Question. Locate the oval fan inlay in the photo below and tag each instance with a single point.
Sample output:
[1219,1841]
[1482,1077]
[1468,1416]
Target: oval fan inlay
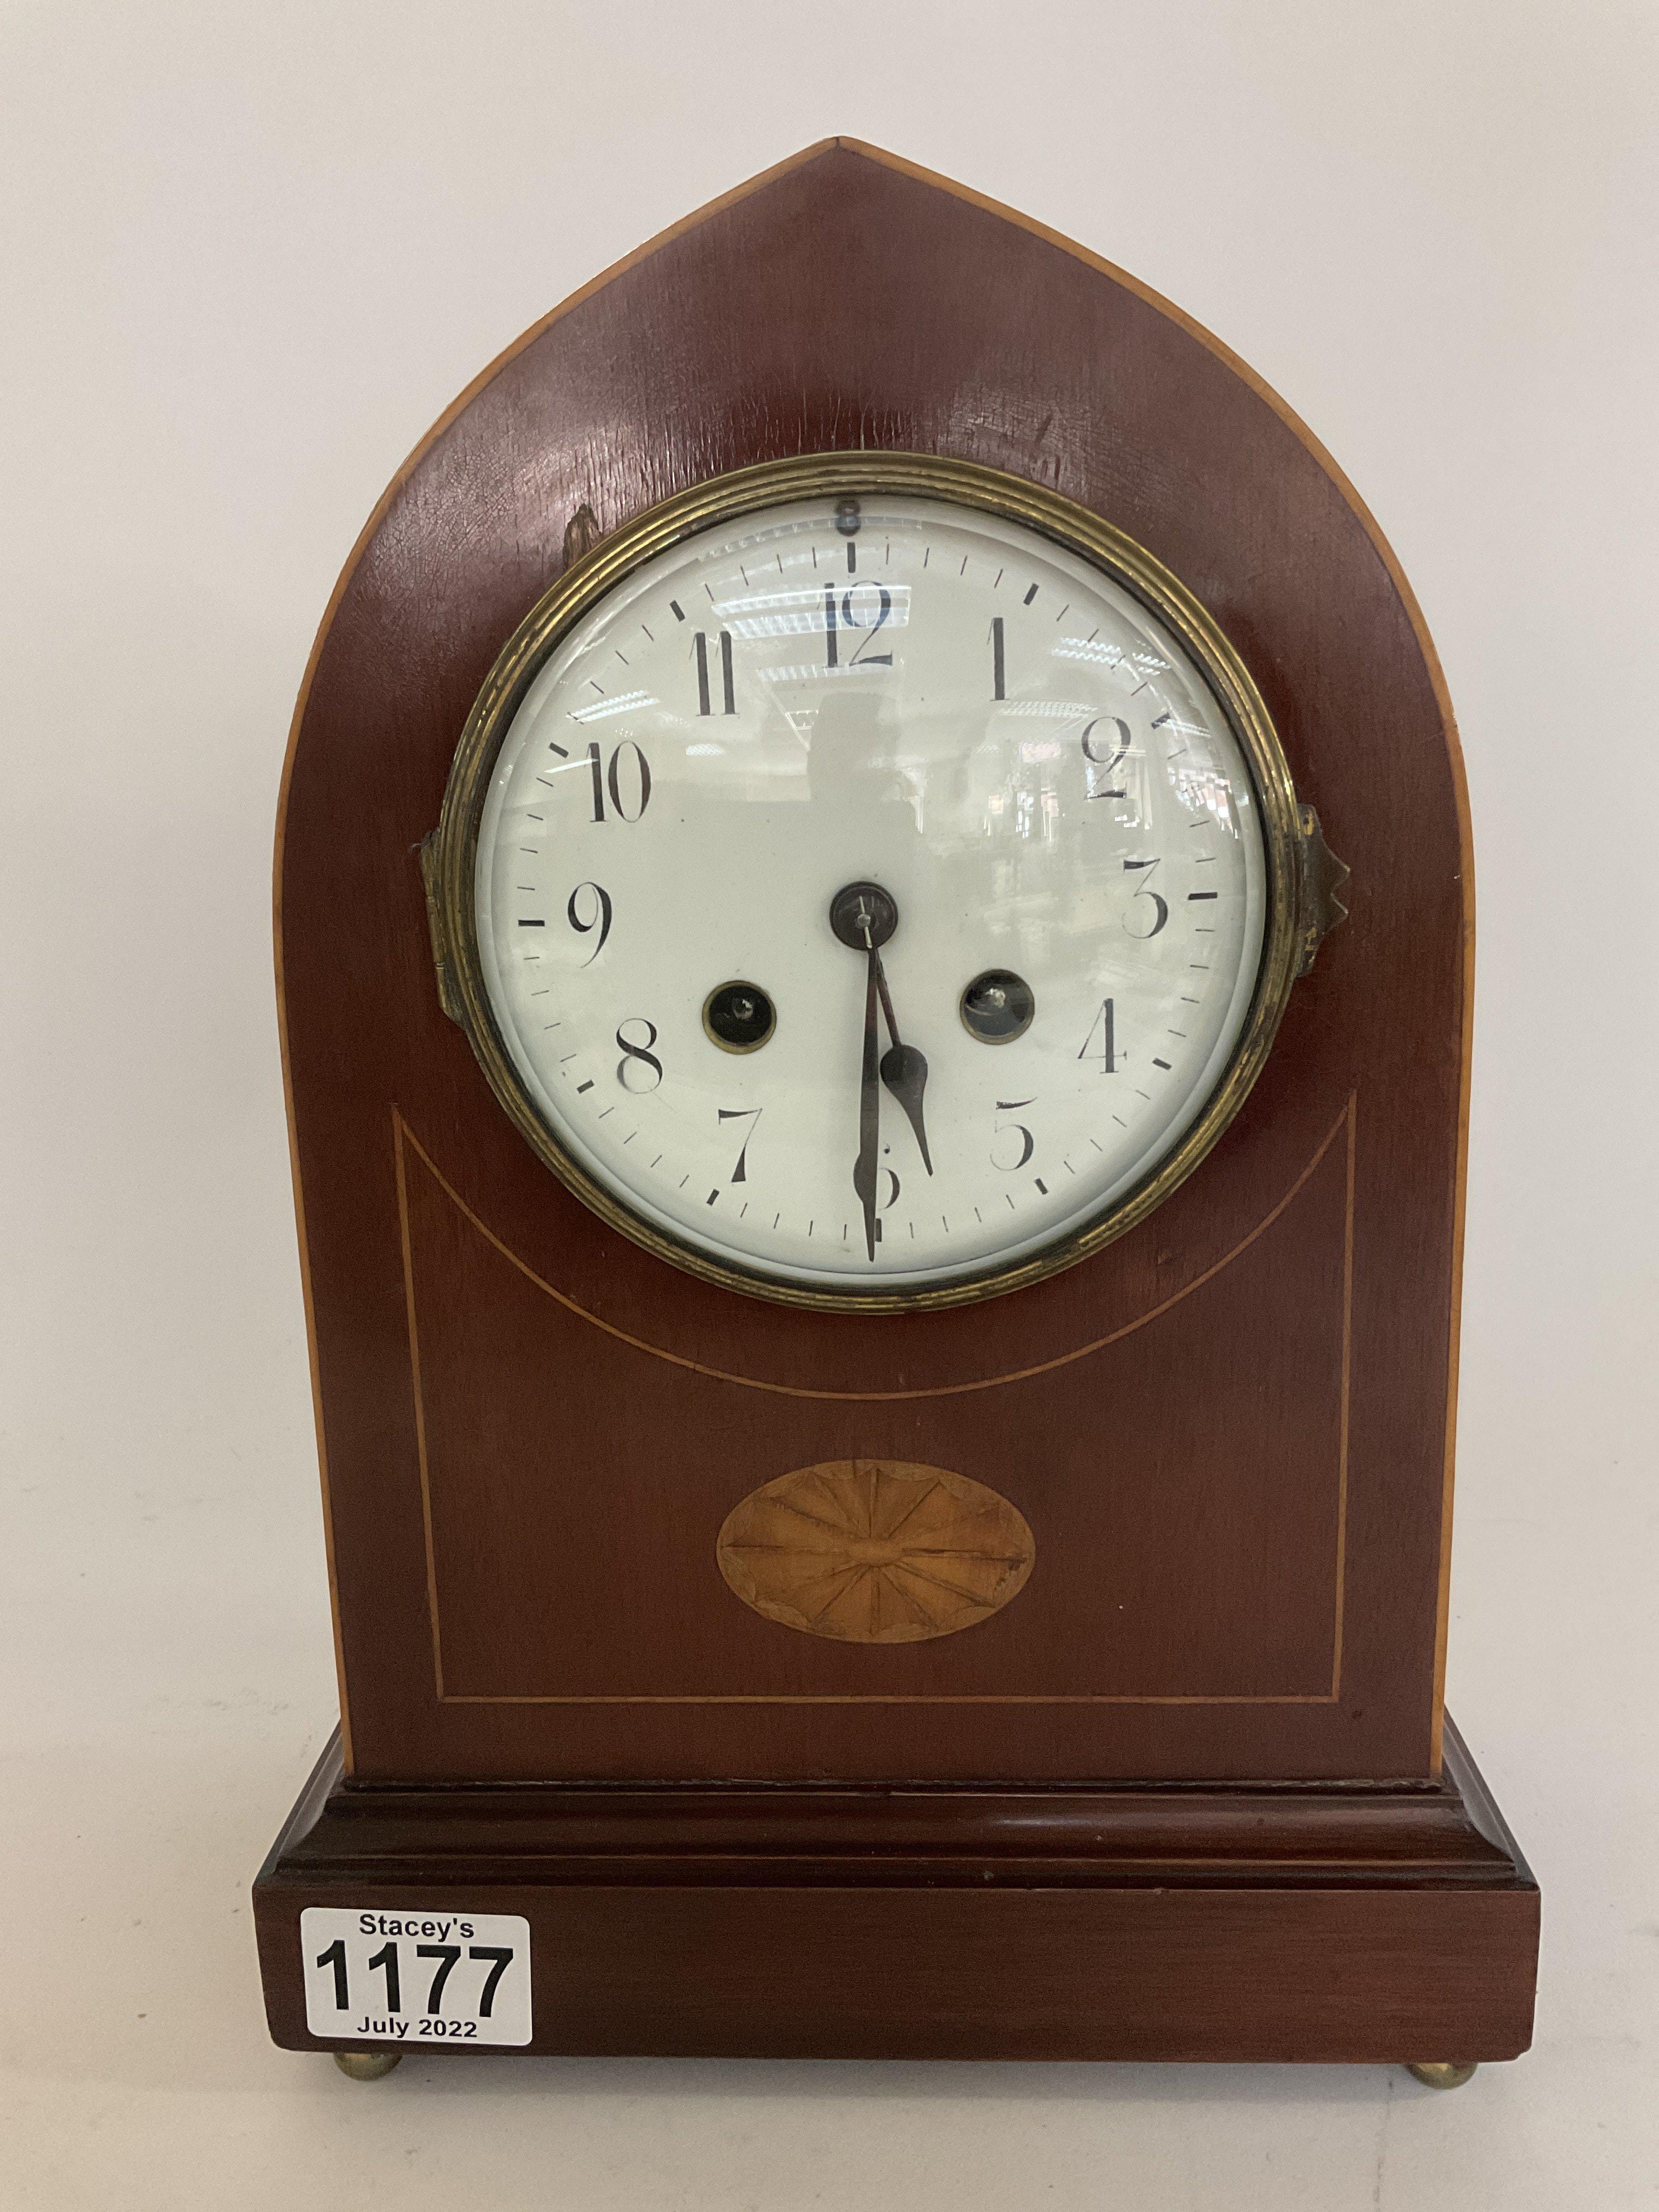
[875,1551]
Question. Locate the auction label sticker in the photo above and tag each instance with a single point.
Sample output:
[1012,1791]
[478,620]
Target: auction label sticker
[417,1977]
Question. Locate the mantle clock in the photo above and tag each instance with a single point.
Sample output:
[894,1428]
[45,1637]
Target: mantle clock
[874,929]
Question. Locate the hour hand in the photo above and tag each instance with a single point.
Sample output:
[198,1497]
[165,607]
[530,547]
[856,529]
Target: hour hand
[904,1070]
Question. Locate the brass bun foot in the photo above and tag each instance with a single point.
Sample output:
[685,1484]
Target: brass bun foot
[1443,2073]
[367,2065]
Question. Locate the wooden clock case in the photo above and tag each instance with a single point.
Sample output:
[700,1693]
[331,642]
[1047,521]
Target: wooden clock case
[1188,1794]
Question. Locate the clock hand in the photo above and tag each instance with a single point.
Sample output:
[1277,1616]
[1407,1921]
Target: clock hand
[863,916]
[903,1069]
[866,1168]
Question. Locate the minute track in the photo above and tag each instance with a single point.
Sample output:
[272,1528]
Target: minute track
[755,776]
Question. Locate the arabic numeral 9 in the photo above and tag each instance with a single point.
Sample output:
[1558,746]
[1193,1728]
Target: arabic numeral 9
[600,918]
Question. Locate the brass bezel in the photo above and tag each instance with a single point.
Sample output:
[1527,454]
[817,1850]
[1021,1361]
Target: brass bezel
[452,855]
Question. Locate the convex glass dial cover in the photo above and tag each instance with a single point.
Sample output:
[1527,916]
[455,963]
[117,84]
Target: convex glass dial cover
[866,889]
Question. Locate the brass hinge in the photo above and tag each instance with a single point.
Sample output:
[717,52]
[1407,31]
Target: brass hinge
[448,997]
[1321,906]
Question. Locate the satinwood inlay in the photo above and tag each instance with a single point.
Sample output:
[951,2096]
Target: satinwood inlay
[876,1550]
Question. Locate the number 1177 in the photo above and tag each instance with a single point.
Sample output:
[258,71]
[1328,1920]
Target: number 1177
[496,1956]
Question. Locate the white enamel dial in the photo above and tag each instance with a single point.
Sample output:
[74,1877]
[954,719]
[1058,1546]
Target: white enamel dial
[996,736]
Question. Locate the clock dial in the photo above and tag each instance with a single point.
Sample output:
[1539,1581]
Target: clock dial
[870,894]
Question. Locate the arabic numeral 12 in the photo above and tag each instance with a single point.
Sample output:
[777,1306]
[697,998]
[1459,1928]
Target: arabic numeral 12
[850,619]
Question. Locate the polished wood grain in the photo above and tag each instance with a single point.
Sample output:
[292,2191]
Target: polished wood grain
[1116,1615]
[1378,1923]
[1177,1791]
[875,1551]
[1228,1432]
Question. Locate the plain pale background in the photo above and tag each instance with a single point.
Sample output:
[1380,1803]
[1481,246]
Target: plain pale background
[250,252]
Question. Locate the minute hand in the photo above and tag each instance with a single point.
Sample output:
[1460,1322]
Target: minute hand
[865,1168]
[903,1068]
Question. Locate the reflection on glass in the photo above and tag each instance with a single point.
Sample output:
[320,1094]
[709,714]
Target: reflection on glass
[938,701]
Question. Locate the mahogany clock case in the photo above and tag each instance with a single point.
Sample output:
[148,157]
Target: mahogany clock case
[1229,1432]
